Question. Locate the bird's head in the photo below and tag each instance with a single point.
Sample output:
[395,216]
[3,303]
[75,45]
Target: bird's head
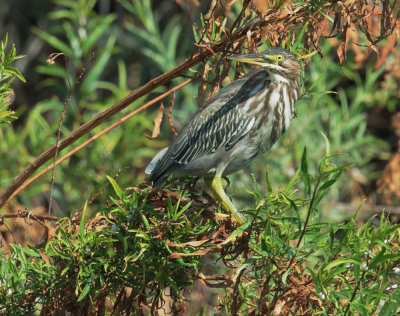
[275,60]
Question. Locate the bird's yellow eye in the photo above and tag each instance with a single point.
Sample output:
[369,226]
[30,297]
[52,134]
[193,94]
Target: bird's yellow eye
[279,58]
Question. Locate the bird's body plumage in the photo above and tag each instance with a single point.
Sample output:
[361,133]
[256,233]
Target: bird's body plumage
[241,121]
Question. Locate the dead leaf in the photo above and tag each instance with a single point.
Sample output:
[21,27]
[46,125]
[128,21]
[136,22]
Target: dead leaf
[189,243]
[44,256]
[157,122]
[200,252]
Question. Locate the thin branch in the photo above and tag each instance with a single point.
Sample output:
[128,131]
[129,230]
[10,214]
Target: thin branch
[353,296]
[171,126]
[62,116]
[310,206]
[28,215]
[95,137]
[235,305]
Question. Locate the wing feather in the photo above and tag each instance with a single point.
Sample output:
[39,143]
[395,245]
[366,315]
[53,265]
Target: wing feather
[222,129]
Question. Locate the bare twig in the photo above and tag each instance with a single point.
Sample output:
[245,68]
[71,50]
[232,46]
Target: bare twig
[62,116]
[28,215]
[171,126]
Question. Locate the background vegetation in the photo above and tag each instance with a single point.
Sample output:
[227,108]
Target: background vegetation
[137,250]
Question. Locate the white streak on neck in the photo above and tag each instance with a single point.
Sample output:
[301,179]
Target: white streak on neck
[278,78]
[274,98]
[287,108]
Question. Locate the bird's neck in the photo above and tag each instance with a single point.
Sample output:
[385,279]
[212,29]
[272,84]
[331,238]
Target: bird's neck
[292,80]
[288,92]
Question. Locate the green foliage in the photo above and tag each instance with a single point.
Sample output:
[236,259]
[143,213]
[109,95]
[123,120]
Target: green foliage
[351,267]
[78,32]
[7,76]
[162,48]
[129,248]
[345,268]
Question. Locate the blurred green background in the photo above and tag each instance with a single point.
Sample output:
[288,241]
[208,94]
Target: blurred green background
[135,40]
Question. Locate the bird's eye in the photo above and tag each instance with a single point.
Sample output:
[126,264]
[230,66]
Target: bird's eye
[279,57]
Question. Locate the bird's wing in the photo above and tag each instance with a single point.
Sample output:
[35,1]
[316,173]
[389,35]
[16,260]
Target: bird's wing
[223,129]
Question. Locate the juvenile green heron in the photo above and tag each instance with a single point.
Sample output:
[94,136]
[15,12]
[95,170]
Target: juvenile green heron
[241,121]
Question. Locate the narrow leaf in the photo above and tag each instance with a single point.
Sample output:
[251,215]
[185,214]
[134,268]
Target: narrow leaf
[116,187]
[237,232]
[85,291]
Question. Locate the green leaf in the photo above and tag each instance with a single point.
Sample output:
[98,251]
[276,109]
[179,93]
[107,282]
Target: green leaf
[98,67]
[293,181]
[338,168]
[53,41]
[341,261]
[236,233]
[82,223]
[15,72]
[300,37]
[391,305]
[94,36]
[145,221]
[380,258]
[269,187]
[85,291]
[304,165]
[327,16]
[327,184]
[116,187]
[183,209]
[327,144]
[29,252]
[6,114]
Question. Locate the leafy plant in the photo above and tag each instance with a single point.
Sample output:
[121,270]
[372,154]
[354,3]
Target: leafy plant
[283,257]
[7,76]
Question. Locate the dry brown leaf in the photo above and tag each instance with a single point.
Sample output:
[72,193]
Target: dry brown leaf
[44,256]
[200,252]
[203,86]
[157,122]
[189,243]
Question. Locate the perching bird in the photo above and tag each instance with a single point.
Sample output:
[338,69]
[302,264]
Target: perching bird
[243,120]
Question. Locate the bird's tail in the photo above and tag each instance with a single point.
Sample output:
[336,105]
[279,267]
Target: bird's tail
[157,176]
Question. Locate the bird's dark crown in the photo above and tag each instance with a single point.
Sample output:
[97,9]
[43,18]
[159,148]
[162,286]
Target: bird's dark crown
[279,50]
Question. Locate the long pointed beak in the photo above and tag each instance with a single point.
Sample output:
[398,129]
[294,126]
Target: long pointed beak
[256,59]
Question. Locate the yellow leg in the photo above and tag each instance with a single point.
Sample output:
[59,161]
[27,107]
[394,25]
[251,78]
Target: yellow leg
[216,186]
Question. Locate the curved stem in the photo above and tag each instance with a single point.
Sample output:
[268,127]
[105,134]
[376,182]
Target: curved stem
[310,206]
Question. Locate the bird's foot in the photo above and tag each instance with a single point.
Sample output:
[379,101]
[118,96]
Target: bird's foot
[216,186]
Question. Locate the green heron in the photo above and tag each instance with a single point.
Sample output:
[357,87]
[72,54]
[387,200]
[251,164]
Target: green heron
[238,123]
